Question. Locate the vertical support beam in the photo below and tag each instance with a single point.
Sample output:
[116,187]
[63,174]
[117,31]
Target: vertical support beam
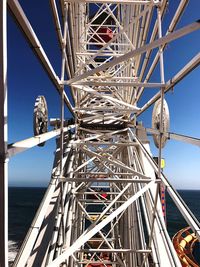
[162,93]
[162,89]
[3,138]
[62,114]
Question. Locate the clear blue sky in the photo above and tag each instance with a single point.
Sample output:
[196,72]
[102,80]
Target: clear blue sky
[27,80]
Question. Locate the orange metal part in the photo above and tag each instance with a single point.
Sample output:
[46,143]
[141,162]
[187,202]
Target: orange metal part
[184,242]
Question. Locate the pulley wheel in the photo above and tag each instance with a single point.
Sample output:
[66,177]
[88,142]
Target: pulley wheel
[40,117]
[156,122]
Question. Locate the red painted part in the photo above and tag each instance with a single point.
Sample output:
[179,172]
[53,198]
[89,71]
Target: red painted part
[163,202]
[104,195]
[104,33]
[103,256]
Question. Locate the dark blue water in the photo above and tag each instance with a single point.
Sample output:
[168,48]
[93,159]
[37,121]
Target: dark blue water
[23,204]
[175,220]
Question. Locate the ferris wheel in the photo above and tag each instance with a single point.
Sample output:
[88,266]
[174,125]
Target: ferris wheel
[105,202]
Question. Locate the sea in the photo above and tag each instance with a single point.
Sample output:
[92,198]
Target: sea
[24,202]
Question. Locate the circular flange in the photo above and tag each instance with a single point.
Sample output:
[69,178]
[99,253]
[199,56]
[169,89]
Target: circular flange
[156,122]
[40,117]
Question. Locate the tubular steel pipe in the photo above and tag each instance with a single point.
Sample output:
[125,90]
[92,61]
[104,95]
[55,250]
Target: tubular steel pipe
[164,40]
[187,214]
[25,26]
[192,64]
[171,28]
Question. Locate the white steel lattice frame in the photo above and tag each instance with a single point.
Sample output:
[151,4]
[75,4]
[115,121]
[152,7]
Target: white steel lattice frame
[102,204]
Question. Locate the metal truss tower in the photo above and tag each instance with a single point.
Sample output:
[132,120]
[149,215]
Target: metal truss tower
[103,203]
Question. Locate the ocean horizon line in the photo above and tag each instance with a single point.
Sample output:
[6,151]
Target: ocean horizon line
[18,186]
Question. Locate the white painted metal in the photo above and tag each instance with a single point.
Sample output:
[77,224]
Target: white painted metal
[103,176]
[171,28]
[21,146]
[192,221]
[133,84]
[85,237]
[156,122]
[164,40]
[25,25]
[191,65]
[175,136]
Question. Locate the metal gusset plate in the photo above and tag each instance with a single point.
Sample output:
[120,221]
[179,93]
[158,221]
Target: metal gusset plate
[156,122]
[40,117]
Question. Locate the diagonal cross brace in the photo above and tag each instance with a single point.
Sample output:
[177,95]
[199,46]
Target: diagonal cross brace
[87,235]
[161,41]
[118,164]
